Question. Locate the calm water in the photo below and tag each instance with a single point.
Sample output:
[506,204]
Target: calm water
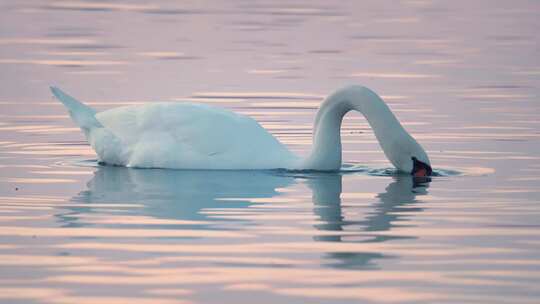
[463,77]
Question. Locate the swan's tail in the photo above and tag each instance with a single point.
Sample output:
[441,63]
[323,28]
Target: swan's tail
[83,115]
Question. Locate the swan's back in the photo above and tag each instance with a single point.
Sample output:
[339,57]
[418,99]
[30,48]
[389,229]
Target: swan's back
[191,136]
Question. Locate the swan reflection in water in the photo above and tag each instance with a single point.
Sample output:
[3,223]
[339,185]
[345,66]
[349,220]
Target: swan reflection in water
[393,206]
[183,195]
[177,194]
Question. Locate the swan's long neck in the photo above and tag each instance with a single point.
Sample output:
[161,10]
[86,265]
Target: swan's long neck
[396,143]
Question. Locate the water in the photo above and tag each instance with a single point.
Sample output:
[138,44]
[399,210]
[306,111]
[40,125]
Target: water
[462,76]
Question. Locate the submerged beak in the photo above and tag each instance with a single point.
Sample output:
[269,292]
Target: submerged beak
[420,169]
[420,173]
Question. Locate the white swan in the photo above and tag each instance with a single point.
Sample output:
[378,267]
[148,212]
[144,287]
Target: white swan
[197,136]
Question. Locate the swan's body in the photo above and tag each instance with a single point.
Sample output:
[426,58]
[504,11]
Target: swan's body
[196,136]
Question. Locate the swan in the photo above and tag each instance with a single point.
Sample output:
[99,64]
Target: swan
[199,136]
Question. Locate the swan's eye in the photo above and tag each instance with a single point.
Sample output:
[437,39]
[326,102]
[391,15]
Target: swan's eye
[420,169]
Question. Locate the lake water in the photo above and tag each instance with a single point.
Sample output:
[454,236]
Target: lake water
[462,76]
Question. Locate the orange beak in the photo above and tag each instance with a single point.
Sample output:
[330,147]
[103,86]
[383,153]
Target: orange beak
[421,173]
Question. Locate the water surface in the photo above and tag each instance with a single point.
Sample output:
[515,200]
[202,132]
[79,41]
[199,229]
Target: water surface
[462,76]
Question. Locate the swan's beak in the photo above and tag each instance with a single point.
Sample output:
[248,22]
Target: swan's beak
[420,169]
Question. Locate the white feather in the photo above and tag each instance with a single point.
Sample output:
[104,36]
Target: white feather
[196,136]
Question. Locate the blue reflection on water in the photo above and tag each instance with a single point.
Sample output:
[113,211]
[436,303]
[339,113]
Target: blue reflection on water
[392,206]
[183,194]
[178,194]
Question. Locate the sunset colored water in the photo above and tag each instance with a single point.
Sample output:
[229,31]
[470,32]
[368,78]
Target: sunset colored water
[462,76]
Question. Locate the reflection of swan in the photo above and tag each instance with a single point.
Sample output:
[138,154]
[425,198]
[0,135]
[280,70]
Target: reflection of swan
[183,194]
[390,209]
[195,136]
[178,194]
[400,193]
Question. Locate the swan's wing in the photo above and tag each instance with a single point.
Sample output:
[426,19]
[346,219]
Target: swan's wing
[122,122]
[195,126]
[188,135]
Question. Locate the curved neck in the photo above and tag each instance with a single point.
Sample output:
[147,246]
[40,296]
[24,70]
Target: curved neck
[326,152]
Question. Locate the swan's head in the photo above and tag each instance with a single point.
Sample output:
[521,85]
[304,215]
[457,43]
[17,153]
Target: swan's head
[420,169]
[409,157]
[417,162]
